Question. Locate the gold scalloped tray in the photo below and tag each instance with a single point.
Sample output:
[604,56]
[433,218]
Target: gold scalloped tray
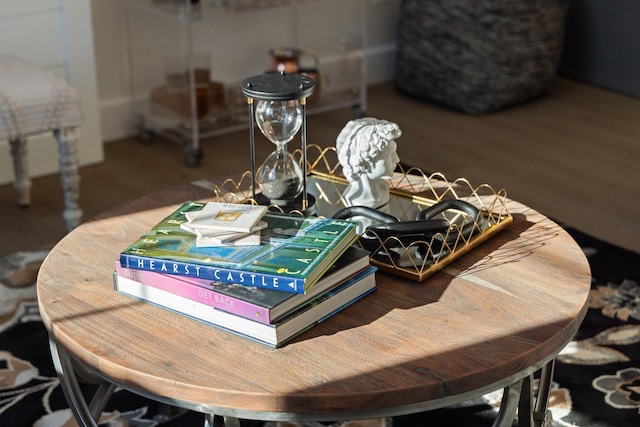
[411,191]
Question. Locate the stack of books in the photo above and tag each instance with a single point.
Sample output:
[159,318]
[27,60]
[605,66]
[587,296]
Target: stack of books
[302,271]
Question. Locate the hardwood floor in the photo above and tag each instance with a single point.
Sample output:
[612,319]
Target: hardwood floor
[573,155]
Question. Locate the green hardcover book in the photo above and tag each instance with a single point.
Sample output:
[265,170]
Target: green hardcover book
[294,252]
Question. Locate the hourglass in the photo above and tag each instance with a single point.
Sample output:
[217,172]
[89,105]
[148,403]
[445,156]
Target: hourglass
[280,112]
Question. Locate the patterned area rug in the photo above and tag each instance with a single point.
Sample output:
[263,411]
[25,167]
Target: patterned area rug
[596,383]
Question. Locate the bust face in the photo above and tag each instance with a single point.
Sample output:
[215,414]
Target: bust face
[385,163]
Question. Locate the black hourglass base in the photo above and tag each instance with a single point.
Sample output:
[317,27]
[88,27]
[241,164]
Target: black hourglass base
[296,205]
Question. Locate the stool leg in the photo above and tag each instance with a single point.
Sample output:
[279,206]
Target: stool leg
[67,149]
[22,183]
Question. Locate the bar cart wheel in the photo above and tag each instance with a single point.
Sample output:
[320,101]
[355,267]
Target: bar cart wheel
[146,136]
[193,157]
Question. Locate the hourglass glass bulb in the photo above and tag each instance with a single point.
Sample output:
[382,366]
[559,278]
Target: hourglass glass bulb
[279,121]
[280,177]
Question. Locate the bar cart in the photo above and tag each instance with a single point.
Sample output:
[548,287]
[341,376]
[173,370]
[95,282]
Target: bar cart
[187,58]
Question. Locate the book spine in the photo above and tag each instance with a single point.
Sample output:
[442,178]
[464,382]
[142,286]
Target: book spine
[196,290]
[213,274]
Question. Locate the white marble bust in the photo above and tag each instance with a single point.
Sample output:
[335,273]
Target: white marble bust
[366,151]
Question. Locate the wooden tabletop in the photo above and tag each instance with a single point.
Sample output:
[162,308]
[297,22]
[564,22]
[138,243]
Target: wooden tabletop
[491,317]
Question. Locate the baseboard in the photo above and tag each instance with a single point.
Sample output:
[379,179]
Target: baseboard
[118,121]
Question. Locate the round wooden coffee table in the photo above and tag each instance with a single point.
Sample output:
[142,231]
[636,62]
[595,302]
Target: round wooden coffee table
[489,320]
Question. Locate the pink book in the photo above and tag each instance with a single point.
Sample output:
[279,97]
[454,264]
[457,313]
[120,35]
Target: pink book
[197,290]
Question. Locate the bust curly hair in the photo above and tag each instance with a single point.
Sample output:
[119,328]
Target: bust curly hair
[361,141]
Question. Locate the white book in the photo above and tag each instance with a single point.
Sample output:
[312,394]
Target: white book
[241,239]
[222,236]
[226,217]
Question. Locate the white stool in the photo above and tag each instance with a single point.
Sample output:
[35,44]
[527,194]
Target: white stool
[34,101]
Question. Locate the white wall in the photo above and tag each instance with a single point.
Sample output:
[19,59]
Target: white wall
[238,43]
[57,35]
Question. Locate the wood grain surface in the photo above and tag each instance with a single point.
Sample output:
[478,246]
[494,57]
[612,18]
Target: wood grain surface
[494,315]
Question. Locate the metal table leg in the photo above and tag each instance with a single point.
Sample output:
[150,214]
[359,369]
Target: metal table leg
[508,406]
[538,415]
[520,396]
[209,421]
[542,416]
[85,415]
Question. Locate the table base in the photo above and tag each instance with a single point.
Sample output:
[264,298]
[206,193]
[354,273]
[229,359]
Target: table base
[517,398]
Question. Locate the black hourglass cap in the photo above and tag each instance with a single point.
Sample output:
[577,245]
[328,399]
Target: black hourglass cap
[278,86]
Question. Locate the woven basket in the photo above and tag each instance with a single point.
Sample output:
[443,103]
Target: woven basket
[479,56]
